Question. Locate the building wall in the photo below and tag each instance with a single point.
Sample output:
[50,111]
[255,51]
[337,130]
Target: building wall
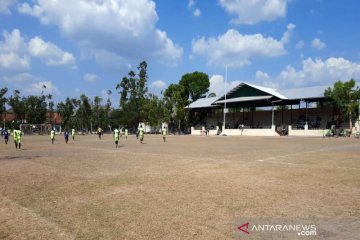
[258,123]
[262,118]
[51,117]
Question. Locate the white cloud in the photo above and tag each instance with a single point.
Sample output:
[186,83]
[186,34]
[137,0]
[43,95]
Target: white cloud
[300,44]
[159,84]
[262,75]
[252,12]
[314,72]
[49,52]
[5,4]
[89,77]
[29,84]
[197,12]
[13,42]
[12,52]
[286,36]
[21,78]
[132,34]
[318,44]
[191,3]
[13,62]
[16,52]
[111,62]
[235,49]
[217,85]
[37,88]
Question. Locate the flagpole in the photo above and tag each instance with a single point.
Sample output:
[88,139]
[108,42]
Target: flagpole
[225,98]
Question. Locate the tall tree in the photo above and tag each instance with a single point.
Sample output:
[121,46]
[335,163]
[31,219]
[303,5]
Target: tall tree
[196,84]
[345,97]
[35,109]
[99,113]
[17,104]
[51,109]
[133,94]
[3,99]
[108,101]
[154,108]
[175,101]
[84,112]
[67,111]
[143,78]
[96,109]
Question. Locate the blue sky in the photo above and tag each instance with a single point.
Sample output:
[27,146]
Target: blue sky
[87,46]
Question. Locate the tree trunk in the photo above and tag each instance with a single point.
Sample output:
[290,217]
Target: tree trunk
[350,122]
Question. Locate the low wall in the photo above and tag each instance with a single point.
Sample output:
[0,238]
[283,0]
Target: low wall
[306,132]
[196,132]
[213,132]
[239,132]
[250,132]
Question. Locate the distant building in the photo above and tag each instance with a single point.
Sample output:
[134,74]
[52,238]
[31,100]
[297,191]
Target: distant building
[253,110]
[52,118]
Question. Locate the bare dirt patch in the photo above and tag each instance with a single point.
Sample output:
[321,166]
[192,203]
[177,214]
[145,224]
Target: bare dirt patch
[187,188]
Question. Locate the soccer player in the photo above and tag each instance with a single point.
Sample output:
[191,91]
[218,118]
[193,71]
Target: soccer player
[99,132]
[66,136]
[121,132]
[73,134]
[52,136]
[164,132]
[6,136]
[126,133]
[116,137]
[141,134]
[17,138]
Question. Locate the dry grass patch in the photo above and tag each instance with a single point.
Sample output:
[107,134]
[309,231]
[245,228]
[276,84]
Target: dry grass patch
[186,188]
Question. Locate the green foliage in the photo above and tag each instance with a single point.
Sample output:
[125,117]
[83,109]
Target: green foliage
[17,104]
[344,96]
[100,113]
[133,96]
[196,84]
[175,102]
[35,109]
[31,108]
[136,104]
[155,109]
[67,112]
[84,112]
[3,99]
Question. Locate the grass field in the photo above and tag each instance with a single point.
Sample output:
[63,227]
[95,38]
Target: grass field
[187,188]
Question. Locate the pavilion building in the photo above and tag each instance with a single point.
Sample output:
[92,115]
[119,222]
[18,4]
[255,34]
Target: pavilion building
[253,110]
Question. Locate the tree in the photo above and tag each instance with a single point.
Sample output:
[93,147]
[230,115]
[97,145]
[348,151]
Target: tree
[18,105]
[154,108]
[35,109]
[133,94]
[175,102]
[196,84]
[108,101]
[67,110]
[84,112]
[344,96]
[3,99]
[51,109]
[100,113]
[96,109]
